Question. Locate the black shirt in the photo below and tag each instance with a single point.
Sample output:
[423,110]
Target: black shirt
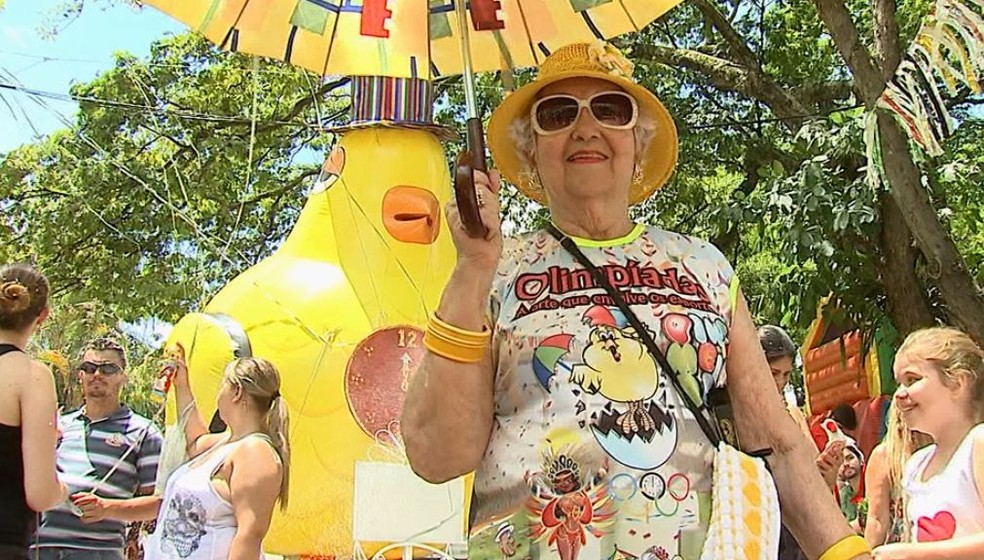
[17,521]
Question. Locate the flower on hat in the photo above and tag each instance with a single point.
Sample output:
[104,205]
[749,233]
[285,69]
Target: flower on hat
[611,59]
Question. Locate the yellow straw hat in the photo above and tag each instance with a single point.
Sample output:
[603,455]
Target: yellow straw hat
[584,60]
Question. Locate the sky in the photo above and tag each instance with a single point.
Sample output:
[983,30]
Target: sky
[76,53]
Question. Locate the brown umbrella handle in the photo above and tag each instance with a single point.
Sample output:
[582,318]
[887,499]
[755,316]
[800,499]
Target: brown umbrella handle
[473,158]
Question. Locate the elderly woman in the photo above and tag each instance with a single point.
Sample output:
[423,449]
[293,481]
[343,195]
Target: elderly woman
[536,380]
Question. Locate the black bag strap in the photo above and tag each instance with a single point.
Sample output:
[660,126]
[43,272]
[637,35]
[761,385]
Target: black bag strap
[706,425]
[8,348]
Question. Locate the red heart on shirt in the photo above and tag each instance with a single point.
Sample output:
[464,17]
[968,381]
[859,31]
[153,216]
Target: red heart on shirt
[940,527]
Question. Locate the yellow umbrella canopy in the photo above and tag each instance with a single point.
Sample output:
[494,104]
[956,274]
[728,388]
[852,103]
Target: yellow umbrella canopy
[408,38]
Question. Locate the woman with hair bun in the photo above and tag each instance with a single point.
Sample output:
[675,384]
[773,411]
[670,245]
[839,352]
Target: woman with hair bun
[28,412]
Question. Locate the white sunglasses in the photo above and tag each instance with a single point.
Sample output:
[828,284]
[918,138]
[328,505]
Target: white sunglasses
[554,114]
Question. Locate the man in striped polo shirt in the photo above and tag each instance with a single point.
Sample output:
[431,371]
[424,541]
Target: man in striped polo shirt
[102,440]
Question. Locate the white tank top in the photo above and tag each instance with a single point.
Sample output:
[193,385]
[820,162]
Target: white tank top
[947,505]
[195,522]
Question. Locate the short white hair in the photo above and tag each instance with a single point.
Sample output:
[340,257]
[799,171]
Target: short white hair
[524,138]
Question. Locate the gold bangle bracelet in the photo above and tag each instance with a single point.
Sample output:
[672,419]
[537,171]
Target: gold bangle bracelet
[456,333]
[847,548]
[469,342]
[459,330]
[452,351]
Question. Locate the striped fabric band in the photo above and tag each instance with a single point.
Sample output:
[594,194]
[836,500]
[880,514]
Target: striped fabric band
[395,100]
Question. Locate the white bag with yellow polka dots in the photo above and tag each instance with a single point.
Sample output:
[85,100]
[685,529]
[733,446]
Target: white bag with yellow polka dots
[745,520]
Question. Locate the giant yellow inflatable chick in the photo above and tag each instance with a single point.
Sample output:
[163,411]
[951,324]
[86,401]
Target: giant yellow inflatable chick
[339,307]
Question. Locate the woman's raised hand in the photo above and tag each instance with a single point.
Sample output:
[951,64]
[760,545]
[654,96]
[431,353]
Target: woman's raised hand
[481,252]
[176,360]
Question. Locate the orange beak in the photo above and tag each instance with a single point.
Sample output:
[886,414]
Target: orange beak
[411,214]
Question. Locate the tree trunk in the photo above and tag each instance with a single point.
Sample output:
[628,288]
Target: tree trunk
[867,75]
[907,304]
[964,303]
[965,306]
[887,48]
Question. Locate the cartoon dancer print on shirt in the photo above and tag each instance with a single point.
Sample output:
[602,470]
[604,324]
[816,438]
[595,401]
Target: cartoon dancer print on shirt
[564,509]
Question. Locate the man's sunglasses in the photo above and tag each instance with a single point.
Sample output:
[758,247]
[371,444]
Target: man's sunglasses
[105,368]
[557,113]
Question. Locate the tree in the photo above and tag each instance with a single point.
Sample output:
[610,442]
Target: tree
[963,299]
[193,170]
[772,168]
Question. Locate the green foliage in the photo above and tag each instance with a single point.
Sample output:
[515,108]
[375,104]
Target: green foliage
[798,48]
[137,392]
[151,203]
[824,219]
[957,179]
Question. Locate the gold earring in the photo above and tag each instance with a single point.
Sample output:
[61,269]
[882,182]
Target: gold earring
[532,180]
[637,175]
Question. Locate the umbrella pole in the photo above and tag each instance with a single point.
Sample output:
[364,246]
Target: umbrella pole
[467,73]
[473,158]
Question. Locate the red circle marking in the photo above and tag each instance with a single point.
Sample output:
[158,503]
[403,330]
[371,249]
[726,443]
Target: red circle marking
[377,374]
[669,486]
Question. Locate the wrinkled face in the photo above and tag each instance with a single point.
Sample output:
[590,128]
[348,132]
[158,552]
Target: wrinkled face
[781,368]
[926,403]
[851,467]
[588,160]
[107,380]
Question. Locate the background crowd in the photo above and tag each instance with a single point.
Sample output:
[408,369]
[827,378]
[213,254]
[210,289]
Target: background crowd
[92,471]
